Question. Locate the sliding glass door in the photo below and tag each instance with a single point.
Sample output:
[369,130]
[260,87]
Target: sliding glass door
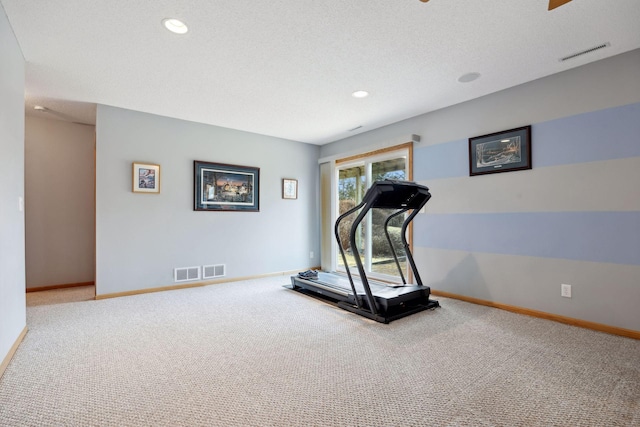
[353,179]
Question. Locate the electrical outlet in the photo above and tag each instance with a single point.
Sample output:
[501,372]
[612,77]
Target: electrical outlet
[311,254]
[565,290]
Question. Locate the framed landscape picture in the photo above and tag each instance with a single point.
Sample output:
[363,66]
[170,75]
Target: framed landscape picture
[223,187]
[505,151]
[146,178]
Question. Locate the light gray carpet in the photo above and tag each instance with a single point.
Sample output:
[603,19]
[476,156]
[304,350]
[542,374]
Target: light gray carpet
[59,296]
[255,354]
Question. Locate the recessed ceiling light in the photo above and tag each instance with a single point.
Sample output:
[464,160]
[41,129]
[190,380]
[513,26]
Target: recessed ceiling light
[469,77]
[175,25]
[360,94]
[39,108]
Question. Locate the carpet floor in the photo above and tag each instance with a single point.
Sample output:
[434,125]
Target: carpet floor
[253,353]
[59,296]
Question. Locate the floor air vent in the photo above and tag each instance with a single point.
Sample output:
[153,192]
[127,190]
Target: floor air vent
[186,274]
[584,52]
[213,271]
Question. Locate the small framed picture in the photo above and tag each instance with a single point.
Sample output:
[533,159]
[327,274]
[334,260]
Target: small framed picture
[505,151]
[289,188]
[146,178]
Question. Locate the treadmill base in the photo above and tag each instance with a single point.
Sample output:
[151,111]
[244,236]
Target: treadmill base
[405,303]
[399,314]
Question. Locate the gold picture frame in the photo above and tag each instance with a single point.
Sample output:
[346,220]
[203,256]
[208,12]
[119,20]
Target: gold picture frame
[289,188]
[146,178]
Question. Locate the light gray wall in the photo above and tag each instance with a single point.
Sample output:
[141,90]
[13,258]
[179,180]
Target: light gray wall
[514,238]
[141,238]
[12,279]
[59,195]
[595,86]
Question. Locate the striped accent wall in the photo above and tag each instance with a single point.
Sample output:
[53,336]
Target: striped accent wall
[602,135]
[583,236]
[579,203]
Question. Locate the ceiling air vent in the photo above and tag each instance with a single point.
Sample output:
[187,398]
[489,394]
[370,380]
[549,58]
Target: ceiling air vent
[584,52]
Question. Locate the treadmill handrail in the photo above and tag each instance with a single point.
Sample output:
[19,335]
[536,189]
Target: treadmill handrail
[344,257]
[407,249]
[393,250]
[356,256]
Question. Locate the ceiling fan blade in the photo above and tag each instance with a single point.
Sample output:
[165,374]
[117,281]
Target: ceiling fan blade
[557,3]
[424,1]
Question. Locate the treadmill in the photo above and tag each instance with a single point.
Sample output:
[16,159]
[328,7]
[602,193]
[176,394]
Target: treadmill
[380,301]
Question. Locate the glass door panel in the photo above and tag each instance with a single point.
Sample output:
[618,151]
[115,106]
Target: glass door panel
[382,261]
[351,188]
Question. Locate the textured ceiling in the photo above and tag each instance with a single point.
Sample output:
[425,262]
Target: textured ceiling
[287,68]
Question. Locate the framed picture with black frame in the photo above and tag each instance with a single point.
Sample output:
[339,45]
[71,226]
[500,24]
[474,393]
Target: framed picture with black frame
[224,187]
[505,151]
